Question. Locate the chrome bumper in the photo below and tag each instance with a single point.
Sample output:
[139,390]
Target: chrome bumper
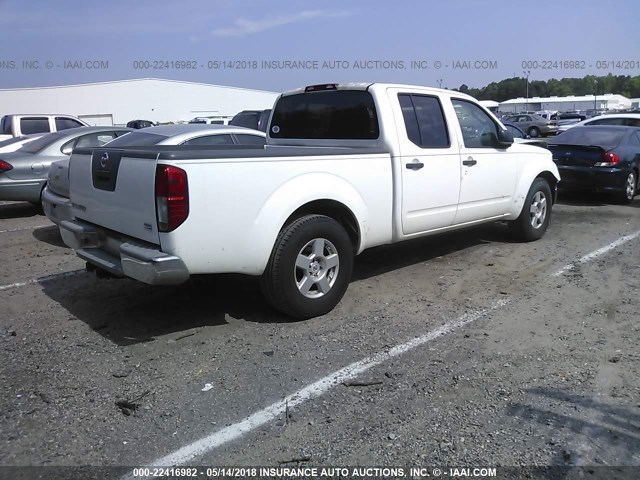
[122,256]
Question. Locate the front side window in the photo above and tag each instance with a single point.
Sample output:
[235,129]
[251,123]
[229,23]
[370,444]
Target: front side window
[34,125]
[424,121]
[330,114]
[478,129]
[210,140]
[245,139]
[63,123]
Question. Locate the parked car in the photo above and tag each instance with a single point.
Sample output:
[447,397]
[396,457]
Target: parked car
[23,173]
[520,137]
[55,198]
[214,120]
[16,143]
[534,125]
[601,158]
[255,119]
[137,124]
[347,167]
[628,119]
[569,118]
[547,114]
[19,125]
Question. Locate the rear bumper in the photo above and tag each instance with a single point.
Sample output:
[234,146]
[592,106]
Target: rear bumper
[593,178]
[56,207]
[123,256]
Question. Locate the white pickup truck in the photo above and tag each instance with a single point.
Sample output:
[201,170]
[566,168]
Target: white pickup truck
[346,167]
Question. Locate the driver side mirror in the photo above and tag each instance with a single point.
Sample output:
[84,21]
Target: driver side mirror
[504,139]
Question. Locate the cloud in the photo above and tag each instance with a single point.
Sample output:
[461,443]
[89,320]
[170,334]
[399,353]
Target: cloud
[243,26]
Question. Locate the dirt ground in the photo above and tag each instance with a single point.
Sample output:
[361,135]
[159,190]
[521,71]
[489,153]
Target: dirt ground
[544,373]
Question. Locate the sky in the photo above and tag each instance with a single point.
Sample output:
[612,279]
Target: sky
[247,43]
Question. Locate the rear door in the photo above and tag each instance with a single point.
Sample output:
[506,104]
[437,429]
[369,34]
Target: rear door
[429,161]
[116,190]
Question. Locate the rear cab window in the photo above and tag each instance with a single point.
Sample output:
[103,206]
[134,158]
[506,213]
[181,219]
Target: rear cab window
[327,114]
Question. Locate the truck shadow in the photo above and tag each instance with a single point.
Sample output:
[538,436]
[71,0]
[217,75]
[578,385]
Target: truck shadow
[50,235]
[128,312]
[596,428]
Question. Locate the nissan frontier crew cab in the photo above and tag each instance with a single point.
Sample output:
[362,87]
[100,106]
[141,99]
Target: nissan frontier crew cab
[347,167]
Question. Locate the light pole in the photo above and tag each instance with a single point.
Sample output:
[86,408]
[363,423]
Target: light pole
[439,83]
[595,94]
[526,105]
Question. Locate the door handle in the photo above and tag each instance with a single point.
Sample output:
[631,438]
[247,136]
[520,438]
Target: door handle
[469,162]
[414,165]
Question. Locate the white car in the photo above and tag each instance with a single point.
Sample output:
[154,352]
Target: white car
[15,143]
[56,203]
[625,119]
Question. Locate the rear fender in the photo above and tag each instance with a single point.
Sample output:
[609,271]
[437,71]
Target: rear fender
[293,195]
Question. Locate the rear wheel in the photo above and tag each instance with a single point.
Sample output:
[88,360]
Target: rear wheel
[534,132]
[536,212]
[630,188]
[309,268]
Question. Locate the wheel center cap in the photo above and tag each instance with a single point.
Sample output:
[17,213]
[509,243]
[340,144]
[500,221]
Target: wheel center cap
[314,268]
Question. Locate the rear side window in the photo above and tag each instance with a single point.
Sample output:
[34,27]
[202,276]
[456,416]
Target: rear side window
[424,121]
[244,139]
[335,115]
[65,123]
[34,125]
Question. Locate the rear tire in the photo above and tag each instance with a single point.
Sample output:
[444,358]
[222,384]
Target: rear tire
[630,188]
[534,132]
[536,212]
[309,268]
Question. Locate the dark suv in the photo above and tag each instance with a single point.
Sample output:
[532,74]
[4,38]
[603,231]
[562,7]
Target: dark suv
[256,119]
[140,124]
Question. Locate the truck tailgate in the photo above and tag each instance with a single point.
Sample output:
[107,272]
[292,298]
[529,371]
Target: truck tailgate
[116,190]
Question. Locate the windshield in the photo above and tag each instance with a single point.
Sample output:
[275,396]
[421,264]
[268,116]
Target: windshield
[136,139]
[606,138]
[335,114]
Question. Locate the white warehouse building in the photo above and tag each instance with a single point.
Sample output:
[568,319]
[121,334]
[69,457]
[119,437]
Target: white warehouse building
[607,101]
[118,102]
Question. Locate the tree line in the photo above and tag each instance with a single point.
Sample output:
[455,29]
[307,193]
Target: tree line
[515,87]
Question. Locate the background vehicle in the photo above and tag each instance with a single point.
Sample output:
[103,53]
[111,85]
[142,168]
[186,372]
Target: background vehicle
[346,167]
[599,158]
[548,114]
[628,119]
[55,197]
[16,143]
[23,173]
[214,120]
[534,125]
[19,125]
[520,137]
[255,119]
[137,124]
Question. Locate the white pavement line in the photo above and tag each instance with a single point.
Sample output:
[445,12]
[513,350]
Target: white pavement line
[24,228]
[46,279]
[216,439]
[597,253]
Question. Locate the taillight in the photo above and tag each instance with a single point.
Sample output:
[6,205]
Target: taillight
[609,159]
[172,197]
[5,166]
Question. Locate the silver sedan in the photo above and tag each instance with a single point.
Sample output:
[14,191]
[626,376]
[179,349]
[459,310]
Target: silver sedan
[55,198]
[23,173]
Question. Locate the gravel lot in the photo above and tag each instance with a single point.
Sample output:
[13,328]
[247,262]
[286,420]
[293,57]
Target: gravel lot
[544,372]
